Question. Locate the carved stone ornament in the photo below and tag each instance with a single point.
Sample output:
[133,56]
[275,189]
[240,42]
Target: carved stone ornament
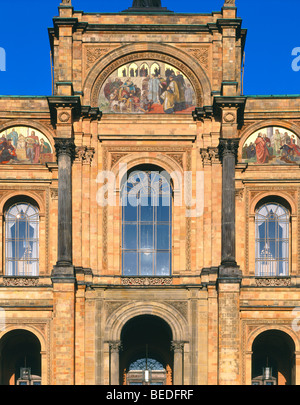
[202,55]
[177,347]
[64,116]
[273,281]
[231,2]
[20,281]
[54,193]
[84,154]
[229,117]
[209,155]
[151,281]
[115,346]
[65,146]
[93,54]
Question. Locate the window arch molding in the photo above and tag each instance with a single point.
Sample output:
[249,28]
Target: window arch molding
[162,162]
[280,197]
[20,196]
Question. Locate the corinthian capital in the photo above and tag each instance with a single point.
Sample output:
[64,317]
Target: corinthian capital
[177,346]
[228,146]
[115,346]
[65,146]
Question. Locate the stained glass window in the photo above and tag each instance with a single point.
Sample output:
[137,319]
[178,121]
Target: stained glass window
[146,200]
[272,240]
[22,240]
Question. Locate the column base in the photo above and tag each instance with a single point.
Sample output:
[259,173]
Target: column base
[229,273]
[63,274]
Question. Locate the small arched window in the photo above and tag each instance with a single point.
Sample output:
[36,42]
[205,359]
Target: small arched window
[22,240]
[146,200]
[272,240]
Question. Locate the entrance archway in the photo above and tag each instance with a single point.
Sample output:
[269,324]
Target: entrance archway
[273,356]
[20,354]
[146,357]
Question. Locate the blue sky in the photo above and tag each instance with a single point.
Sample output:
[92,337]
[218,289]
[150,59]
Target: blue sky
[273,32]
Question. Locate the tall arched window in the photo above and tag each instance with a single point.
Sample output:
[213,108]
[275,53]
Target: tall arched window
[22,240]
[272,240]
[146,200]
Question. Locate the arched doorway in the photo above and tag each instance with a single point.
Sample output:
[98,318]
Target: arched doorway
[273,359]
[20,354]
[146,357]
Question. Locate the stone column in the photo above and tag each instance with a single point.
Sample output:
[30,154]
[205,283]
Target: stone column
[65,150]
[229,277]
[228,154]
[114,349]
[178,348]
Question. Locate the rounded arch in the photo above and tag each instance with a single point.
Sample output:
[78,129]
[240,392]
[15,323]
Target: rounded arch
[29,328]
[20,347]
[258,331]
[166,163]
[117,320]
[35,125]
[273,357]
[280,197]
[250,130]
[133,52]
[24,196]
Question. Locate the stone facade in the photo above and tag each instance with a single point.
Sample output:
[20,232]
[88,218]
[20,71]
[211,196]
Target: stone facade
[215,306]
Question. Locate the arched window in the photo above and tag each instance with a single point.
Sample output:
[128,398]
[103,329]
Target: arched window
[22,240]
[146,200]
[272,240]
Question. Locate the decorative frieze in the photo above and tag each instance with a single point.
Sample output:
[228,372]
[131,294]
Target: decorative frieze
[145,281]
[273,282]
[20,281]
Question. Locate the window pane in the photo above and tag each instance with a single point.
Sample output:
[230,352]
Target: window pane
[35,250]
[129,236]
[146,262]
[147,209]
[163,263]
[130,213]
[129,263]
[163,237]
[146,241]
[164,208]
